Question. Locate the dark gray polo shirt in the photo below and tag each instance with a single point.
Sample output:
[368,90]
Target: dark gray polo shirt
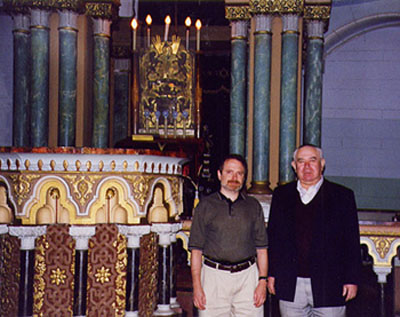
[228,231]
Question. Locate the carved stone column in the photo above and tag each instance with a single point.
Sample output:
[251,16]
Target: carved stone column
[81,235]
[173,296]
[67,72]
[164,287]
[239,16]
[133,233]
[21,78]
[102,13]
[262,14]
[27,235]
[289,84]
[40,46]
[316,17]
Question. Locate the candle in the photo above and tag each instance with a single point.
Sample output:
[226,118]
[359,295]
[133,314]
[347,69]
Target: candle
[134,26]
[148,21]
[188,22]
[167,23]
[198,27]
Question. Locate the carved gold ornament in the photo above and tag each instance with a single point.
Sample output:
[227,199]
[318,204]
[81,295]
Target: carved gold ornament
[82,186]
[382,245]
[58,276]
[237,13]
[103,275]
[140,187]
[22,186]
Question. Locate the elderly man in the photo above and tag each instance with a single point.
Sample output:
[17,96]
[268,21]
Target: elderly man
[228,229]
[314,243]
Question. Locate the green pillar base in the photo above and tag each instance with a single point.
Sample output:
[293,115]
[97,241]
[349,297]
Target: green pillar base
[260,188]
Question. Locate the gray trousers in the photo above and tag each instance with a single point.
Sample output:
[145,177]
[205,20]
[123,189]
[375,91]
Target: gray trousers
[303,304]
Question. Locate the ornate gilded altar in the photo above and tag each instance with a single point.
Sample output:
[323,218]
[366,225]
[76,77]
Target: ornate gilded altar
[83,228]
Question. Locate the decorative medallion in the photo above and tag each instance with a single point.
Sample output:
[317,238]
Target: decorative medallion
[22,185]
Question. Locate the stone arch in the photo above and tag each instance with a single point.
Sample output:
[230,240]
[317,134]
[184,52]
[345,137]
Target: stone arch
[358,27]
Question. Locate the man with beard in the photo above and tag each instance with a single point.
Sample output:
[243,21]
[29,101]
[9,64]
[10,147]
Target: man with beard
[314,241]
[228,230]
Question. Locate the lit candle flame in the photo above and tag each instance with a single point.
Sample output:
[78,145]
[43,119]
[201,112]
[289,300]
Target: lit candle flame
[134,24]
[198,24]
[188,22]
[148,19]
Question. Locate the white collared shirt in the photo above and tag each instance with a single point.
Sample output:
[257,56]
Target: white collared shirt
[306,195]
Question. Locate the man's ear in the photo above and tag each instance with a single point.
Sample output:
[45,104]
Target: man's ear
[219,174]
[322,165]
[293,165]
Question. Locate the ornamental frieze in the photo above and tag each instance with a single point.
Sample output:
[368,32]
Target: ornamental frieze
[237,13]
[262,6]
[317,12]
[289,6]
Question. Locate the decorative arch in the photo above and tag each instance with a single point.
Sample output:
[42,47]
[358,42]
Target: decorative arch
[358,27]
[123,199]
[168,196]
[39,195]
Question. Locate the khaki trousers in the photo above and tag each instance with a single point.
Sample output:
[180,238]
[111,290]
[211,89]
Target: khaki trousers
[230,294]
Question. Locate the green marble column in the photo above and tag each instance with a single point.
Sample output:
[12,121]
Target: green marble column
[288,110]
[101,83]
[67,78]
[121,99]
[39,77]
[238,88]
[21,80]
[313,84]
[261,114]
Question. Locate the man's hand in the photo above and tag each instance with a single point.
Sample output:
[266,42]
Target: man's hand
[199,298]
[271,285]
[350,291]
[260,294]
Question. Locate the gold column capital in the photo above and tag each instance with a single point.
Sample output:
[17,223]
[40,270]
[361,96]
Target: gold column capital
[237,12]
[16,6]
[103,9]
[317,12]
[262,6]
[289,6]
[74,5]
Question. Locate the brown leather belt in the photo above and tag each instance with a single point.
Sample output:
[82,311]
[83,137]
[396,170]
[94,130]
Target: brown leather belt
[232,268]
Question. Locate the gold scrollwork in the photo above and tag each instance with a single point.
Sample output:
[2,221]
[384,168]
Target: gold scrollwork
[22,185]
[237,12]
[82,186]
[120,268]
[40,270]
[382,245]
[317,12]
[140,186]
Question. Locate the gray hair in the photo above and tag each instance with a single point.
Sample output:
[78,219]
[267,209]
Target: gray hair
[319,150]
